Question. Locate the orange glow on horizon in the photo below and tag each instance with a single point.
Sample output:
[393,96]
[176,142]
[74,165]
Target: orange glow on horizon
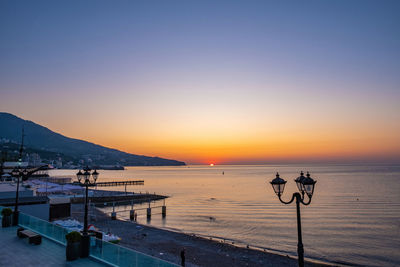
[233,138]
[283,148]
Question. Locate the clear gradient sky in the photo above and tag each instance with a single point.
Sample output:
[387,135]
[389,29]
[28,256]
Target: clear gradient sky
[209,81]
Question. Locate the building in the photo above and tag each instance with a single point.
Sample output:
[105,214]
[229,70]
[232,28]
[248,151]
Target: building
[34,160]
[8,166]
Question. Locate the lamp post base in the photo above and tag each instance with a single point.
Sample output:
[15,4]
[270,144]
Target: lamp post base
[15,218]
[300,255]
[85,244]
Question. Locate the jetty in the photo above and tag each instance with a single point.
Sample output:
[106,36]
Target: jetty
[120,183]
[110,198]
[107,198]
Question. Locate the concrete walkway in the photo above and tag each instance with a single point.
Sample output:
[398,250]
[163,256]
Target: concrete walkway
[18,252]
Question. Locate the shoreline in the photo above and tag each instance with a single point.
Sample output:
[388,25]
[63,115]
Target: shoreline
[221,240]
[200,250]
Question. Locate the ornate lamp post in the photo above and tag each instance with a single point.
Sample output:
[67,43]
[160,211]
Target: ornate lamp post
[23,174]
[305,186]
[84,180]
[18,173]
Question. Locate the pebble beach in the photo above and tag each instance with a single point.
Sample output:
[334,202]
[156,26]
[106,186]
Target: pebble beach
[199,251]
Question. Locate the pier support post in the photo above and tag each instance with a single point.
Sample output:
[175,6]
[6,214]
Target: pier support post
[132,212]
[148,213]
[113,213]
[132,215]
[164,211]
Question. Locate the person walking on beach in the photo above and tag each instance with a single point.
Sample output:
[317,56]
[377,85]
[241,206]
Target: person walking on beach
[183,257]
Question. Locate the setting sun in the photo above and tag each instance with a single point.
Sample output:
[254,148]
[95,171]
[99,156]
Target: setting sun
[211,164]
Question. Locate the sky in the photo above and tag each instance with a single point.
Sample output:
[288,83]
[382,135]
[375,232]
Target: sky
[223,82]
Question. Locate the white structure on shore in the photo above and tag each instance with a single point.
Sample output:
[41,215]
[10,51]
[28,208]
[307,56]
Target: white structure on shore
[7,190]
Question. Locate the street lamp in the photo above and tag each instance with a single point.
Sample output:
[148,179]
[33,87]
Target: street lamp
[24,174]
[305,185]
[84,180]
[18,173]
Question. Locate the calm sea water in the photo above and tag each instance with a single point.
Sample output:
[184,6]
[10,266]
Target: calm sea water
[354,217]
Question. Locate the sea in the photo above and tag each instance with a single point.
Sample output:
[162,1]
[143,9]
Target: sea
[353,219]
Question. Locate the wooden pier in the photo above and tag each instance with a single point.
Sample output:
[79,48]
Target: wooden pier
[121,183]
[133,211]
[121,199]
[112,183]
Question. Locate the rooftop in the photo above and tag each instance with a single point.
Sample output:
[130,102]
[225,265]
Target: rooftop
[11,187]
[18,252]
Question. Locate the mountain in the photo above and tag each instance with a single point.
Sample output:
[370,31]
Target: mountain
[40,138]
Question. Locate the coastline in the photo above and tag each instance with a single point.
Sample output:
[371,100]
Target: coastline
[200,251]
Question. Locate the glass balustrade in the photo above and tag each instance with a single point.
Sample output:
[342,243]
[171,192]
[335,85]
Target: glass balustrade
[49,230]
[121,256]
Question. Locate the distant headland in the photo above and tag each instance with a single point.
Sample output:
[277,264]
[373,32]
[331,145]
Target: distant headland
[42,144]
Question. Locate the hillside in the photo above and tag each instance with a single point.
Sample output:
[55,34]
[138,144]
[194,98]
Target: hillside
[41,138]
